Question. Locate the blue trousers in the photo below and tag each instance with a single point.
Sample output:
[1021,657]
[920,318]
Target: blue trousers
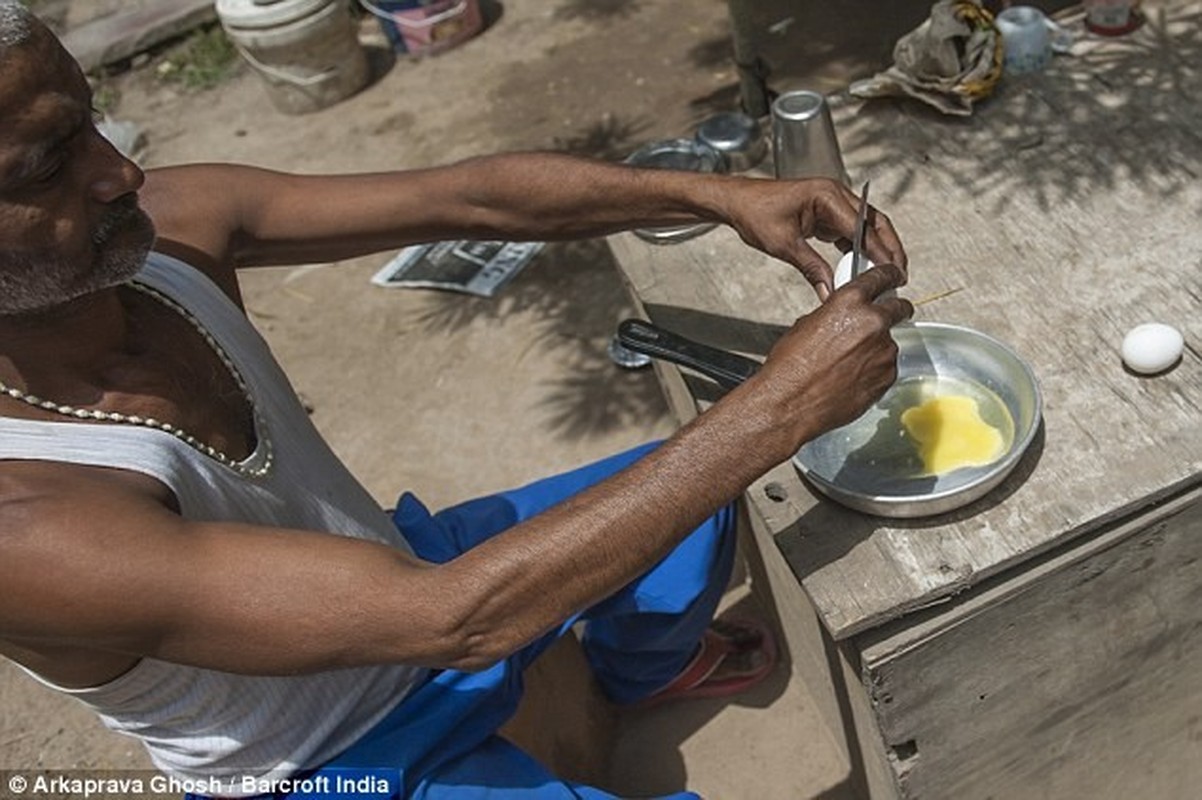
[440,743]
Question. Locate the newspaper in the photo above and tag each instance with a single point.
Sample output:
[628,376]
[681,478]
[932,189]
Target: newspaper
[479,268]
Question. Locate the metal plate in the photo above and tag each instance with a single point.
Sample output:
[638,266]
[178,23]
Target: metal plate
[867,466]
[686,155]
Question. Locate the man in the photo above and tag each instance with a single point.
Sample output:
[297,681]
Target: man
[181,552]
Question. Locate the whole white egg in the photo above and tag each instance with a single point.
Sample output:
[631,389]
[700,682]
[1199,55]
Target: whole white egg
[1152,347]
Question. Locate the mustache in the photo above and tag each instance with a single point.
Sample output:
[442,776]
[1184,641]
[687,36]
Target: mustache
[122,214]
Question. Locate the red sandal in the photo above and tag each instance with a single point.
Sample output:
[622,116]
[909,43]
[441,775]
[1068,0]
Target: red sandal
[723,637]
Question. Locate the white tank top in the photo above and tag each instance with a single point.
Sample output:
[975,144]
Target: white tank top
[199,724]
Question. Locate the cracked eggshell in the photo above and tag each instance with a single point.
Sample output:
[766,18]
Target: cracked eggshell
[1152,347]
[843,272]
[843,269]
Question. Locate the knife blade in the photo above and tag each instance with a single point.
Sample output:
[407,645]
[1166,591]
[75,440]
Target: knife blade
[857,242]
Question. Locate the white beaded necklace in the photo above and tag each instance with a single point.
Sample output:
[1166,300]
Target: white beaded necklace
[264,442]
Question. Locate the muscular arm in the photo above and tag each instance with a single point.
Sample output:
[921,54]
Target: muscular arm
[247,599]
[229,216]
[117,571]
[93,558]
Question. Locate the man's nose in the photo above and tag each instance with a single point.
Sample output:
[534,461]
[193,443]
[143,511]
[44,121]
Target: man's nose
[115,175]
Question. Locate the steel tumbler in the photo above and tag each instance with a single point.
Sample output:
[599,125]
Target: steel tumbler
[804,144]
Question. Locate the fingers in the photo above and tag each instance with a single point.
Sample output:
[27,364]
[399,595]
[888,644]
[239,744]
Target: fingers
[836,209]
[876,285]
[882,242]
[897,309]
[879,280]
[786,218]
[815,269]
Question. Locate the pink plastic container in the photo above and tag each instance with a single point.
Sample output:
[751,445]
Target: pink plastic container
[426,27]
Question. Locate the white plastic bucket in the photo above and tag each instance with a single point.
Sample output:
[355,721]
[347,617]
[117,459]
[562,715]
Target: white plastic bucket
[306,51]
[426,27]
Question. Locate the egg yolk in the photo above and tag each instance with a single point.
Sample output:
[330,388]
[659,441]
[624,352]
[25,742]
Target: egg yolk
[951,434]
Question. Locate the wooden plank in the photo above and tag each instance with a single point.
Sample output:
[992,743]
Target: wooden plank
[1079,681]
[1066,210]
[112,38]
[817,669]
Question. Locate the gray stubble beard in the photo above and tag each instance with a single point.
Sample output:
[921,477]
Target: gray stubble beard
[36,281]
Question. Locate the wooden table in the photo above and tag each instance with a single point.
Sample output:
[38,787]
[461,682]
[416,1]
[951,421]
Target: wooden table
[1046,640]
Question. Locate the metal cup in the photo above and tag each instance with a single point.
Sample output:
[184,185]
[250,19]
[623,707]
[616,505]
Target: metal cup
[804,144]
[737,137]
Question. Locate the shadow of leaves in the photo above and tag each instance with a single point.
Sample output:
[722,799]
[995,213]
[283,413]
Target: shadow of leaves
[593,10]
[724,98]
[599,397]
[573,292]
[544,289]
[712,53]
[1037,136]
[611,138]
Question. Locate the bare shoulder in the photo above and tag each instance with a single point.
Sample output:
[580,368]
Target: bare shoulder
[63,528]
[196,216]
[30,490]
[56,517]
[47,507]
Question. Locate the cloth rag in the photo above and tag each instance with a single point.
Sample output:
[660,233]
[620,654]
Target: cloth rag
[950,61]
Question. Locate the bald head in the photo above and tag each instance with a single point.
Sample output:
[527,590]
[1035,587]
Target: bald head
[16,24]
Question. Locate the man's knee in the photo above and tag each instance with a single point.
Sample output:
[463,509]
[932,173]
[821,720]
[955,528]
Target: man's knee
[564,720]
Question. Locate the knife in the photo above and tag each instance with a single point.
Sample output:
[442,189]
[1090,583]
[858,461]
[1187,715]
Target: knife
[728,369]
[857,241]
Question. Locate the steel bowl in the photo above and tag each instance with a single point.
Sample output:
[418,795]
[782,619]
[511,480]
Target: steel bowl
[871,464]
[679,154]
[859,465]
[737,137]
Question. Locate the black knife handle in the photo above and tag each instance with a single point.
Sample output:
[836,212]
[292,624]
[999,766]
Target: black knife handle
[728,369]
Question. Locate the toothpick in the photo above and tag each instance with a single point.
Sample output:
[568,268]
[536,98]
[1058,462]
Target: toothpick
[930,298]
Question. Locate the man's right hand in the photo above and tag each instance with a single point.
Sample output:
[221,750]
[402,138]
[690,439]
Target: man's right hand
[838,360]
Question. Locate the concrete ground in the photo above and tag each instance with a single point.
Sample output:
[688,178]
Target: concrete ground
[452,397]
